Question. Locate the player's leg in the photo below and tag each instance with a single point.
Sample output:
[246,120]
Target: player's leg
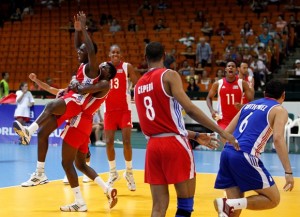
[68,157]
[55,107]
[110,151]
[127,151]
[39,176]
[111,193]
[160,200]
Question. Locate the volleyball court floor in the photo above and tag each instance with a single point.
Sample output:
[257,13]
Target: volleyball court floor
[18,162]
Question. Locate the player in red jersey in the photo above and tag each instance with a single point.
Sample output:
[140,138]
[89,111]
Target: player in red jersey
[117,115]
[244,74]
[75,148]
[159,99]
[70,104]
[230,91]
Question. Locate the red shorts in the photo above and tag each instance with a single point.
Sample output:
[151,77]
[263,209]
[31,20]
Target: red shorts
[76,139]
[72,110]
[169,160]
[117,120]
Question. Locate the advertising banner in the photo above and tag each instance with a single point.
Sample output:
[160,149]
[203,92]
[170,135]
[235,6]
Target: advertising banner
[7,133]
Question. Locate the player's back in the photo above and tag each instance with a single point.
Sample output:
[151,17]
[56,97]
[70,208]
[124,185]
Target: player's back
[253,129]
[158,112]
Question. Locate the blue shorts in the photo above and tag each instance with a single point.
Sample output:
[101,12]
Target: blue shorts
[243,170]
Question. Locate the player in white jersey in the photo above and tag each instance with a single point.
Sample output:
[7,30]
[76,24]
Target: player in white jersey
[242,170]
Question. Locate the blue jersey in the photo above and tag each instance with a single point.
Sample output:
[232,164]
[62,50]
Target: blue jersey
[253,129]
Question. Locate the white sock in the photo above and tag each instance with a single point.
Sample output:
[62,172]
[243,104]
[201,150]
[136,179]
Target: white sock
[128,166]
[101,183]
[112,166]
[78,195]
[33,128]
[40,167]
[240,203]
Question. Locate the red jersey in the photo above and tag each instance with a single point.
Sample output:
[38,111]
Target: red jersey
[84,80]
[158,112]
[118,98]
[84,120]
[249,80]
[229,93]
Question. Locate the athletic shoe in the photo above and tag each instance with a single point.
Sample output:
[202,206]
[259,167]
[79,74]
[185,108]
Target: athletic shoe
[86,179]
[65,180]
[111,195]
[35,179]
[118,142]
[113,177]
[100,143]
[223,209]
[130,180]
[22,132]
[74,207]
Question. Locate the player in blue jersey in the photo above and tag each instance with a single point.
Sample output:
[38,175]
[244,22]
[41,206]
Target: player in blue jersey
[242,170]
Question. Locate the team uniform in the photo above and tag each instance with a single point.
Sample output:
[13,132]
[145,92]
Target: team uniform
[22,110]
[244,168]
[81,126]
[76,102]
[249,80]
[229,93]
[117,109]
[169,156]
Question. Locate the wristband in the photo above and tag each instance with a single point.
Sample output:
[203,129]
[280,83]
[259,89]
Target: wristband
[287,173]
[196,135]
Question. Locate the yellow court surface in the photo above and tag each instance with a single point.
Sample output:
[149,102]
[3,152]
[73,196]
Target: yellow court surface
[45,200]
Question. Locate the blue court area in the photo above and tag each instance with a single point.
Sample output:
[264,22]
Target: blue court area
[17,162]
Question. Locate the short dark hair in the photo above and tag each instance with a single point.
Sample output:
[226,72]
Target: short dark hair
[112,70]
[3,74]
[274,89]
[154,51]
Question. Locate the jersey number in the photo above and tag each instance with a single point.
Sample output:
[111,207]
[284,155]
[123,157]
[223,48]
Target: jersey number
[115,83]
[244,123]
[230,99]
[150,113]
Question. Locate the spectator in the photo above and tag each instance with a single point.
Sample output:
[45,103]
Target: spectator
[162,5]
[280,23]
[219,75]
[265,23]
[24,101]
[297,68]
[205,80]
[193,87]
[4,87]
[50,82]
[159,26]
[246,31]
[200,17]
[145,6]
[246,56]
[265,36]
[203,52]
[207,29]
[105,19]
[222,30]
[189,53]
[170,60]
[243,45]
[256,44]
[259,72]
[132,26]
[114,27]
[188,40]
[186,69]
[97,128]
[16,16]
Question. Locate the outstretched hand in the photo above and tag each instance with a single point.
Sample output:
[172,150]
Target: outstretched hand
[77,24]
[208,140]
[231,139]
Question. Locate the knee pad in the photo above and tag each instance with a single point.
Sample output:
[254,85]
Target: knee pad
[184,207]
